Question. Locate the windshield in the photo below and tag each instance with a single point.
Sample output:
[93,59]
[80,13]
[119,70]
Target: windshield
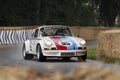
[56,31]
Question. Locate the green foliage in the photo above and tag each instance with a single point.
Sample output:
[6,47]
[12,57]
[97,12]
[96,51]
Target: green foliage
[94,55]
[17,12]
[92,52]
[39,12]
[107,11]
[109,59]
[118,21]
[63,12]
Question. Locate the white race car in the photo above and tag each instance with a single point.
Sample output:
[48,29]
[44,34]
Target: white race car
[54,41]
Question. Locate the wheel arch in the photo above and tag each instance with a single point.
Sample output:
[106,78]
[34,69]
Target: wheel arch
[38,44]
[41,44]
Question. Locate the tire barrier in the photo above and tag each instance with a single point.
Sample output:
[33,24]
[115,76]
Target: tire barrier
[14,36]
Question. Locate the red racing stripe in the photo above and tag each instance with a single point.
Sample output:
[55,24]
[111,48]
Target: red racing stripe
[56,40]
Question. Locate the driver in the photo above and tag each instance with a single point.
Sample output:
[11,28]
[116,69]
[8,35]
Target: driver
[60,32]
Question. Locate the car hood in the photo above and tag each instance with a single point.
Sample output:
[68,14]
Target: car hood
[64,42]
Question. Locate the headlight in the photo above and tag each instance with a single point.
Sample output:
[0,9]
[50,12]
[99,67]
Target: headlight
[48,43]
[82,42]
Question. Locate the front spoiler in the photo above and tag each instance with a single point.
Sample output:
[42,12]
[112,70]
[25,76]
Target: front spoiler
[64,53]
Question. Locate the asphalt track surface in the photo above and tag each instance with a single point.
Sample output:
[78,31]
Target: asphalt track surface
[12,56]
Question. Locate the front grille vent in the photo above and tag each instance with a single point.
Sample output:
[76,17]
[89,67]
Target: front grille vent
[70,54]
[81,47]
[53,48]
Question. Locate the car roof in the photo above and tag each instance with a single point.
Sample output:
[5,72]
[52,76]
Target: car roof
[52,26]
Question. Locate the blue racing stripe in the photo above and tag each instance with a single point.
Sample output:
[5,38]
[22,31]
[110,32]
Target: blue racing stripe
[64,39]
[73,46]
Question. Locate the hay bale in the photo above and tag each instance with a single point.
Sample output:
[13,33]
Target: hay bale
[92,73]
[75,30]
[87,33]
[109,43]
[18,28]
[81,73]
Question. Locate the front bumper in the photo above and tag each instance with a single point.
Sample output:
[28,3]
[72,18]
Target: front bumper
[64,53]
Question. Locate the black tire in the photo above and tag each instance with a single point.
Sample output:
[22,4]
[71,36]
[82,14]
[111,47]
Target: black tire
[82,58]
[66,58]
[25,55]
[40,54]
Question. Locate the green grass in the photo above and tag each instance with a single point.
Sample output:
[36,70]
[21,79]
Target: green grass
[109,59]
[93,54]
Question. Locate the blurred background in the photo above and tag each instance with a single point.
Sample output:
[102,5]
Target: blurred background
[60,12]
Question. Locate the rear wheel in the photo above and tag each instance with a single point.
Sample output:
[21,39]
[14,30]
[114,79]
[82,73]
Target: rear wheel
[25,55]
[40,54]
[82,58]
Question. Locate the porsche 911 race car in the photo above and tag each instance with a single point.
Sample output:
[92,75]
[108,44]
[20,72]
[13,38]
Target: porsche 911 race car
[54,41]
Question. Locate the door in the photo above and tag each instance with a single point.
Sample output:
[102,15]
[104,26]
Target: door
[33,40]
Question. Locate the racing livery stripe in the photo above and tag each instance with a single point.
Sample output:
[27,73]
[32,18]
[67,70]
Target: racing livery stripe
[56,40]
[73,46]
[69,47]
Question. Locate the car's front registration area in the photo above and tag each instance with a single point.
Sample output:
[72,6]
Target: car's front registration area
[64,53]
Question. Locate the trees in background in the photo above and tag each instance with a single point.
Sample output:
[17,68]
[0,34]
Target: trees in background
[40,12]
[17,12]
[60,12]
[107,11]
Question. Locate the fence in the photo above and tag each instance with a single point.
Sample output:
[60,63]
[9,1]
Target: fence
[14,36]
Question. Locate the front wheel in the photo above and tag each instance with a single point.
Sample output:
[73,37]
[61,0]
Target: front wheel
[25,55]
[82,58]
[40,54]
